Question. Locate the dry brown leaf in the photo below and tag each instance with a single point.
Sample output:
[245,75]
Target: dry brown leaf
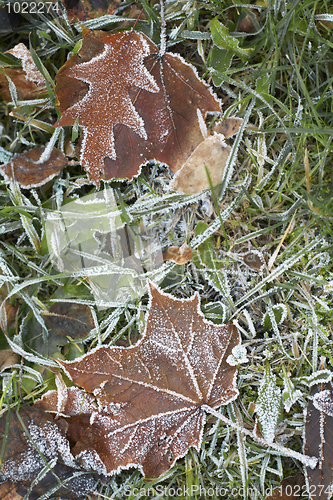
[23,462]
[180,255]
[212,154]
[28,172]
[151,395]
[247,25]
[290,488]
[116,65]
[228,127]
[8,358]
[164,99]
[29,82]
[25,89]
[82,10]
[8,491]
[318,441]
[254,259]
[70,319]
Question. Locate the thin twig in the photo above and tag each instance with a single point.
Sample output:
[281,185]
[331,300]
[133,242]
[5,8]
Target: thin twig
[305,459]
[138,17]
[163,31]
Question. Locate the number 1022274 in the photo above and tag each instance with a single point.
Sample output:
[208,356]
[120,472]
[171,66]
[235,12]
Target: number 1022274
[33,7]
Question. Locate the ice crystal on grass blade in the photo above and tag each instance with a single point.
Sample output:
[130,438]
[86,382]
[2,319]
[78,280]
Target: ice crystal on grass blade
[269,405]
[317,377]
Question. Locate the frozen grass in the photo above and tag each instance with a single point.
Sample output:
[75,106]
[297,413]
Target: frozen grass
[276,202]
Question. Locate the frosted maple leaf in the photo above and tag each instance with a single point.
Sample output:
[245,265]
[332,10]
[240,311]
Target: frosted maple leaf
[107,103]
[152,396]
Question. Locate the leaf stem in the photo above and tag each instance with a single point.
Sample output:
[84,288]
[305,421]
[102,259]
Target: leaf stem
[305,459]
[163,31]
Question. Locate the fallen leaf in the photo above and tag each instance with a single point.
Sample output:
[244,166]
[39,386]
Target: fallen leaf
[32,72]
[70,319]
[228,127]
[151,395]
[46,341]
[247,25]
[82,10]
[290,488]
[212,154]
[29,82]
[23,456]
[318,441]
[254,259]
[8,358]
[166,104]
[25,89]
[180,255]
[78,405]
[8,491]
[28,172]
[110,74]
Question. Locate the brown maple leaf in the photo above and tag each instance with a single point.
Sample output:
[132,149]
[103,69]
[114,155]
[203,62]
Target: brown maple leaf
[173,117]
[109,75]
[228,127]
[151,395]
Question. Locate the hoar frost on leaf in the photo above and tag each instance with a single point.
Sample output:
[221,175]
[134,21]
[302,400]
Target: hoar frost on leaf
[238,356]
[323,401]
[152,396]
[32,73]
[163,120]
[269,405]
[107,103]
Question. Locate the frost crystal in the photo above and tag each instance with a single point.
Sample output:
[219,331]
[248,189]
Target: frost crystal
[238,356]
[323,401]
